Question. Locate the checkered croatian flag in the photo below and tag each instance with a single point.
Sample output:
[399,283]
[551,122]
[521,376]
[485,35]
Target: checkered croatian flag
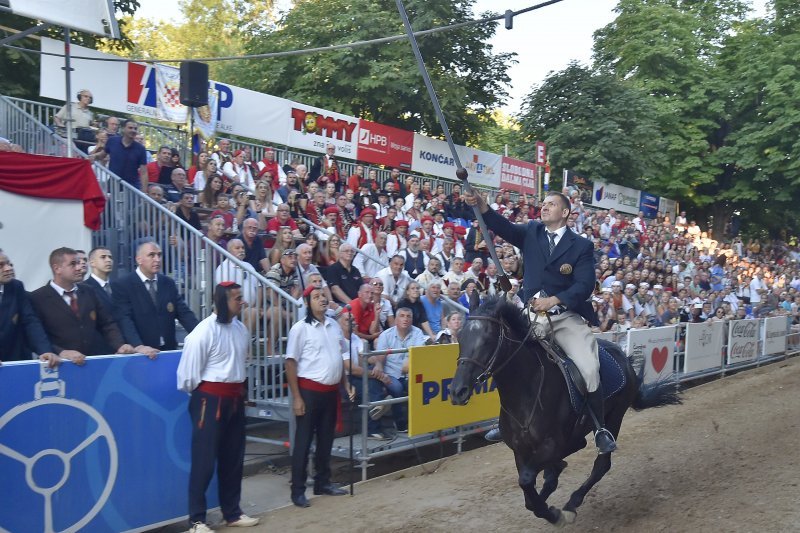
[168,83]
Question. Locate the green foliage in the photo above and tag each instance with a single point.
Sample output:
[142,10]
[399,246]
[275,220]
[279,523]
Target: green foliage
[718,96]
[381,82]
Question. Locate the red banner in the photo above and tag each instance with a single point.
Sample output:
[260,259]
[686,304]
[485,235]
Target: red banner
[518,175]
[384,145]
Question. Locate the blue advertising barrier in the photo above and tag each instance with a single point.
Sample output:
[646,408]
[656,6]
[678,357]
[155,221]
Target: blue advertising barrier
[103,448]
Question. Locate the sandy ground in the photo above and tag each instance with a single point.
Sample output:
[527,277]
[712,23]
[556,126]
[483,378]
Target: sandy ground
[728,460]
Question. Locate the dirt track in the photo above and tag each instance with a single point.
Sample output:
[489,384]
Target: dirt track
[727,460]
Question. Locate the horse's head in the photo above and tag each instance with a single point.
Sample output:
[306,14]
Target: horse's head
[481,345]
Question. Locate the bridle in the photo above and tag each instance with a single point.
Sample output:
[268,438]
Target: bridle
[488,368]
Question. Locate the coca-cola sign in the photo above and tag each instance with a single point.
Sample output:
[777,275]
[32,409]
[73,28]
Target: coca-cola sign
[742,341]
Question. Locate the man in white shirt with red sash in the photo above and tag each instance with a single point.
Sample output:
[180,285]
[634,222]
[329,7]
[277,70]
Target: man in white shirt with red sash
[315,369]
[212,370]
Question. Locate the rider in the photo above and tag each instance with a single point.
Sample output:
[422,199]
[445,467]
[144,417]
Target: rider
[559,278]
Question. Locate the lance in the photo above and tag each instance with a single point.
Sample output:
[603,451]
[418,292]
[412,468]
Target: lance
[461,172]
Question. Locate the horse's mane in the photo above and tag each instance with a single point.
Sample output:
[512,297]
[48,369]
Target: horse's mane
[500,308]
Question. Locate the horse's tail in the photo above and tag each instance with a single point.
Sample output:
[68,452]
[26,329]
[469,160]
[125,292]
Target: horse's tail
[663,391]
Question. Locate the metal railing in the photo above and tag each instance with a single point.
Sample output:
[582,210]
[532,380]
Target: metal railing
[194,261]
[154,134]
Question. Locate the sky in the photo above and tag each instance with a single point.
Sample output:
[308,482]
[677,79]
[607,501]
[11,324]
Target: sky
[545,40]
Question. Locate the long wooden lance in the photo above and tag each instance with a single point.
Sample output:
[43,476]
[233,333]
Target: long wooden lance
[461,172]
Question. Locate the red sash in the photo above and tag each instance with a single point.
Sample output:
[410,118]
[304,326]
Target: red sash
[310,384]
[229,390]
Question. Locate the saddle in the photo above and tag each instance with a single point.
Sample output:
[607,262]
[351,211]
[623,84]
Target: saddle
[612,375]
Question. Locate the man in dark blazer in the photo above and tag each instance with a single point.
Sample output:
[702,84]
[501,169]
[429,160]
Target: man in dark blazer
[101,264]
[559,276]
[146,303]
[71,313]
[21,332]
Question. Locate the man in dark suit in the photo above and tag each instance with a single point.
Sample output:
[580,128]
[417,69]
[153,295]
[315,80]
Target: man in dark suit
[21,332]
[146,303]
[71,313]
[325,169]
[559,278]
[101,264]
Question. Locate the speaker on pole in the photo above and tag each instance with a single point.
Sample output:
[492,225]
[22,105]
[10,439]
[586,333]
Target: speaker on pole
[194,83]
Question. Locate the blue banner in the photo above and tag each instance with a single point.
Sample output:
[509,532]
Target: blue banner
[102,448]
[648,204]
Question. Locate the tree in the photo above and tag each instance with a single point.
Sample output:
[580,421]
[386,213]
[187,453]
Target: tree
[594,124]
[381,82]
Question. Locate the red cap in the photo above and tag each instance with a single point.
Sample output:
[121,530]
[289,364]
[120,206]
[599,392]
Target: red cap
[309,289]
[401,224]
[368,211]
[426,218]
[331,210]
[263,171]
[237,153]
[461,230]
[448,225]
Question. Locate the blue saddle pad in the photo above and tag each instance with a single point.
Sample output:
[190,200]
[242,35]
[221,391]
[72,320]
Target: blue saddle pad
[612,379]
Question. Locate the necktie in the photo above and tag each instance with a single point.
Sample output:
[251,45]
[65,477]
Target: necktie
[73,301]
[151,288]
[552,243]
[107,288]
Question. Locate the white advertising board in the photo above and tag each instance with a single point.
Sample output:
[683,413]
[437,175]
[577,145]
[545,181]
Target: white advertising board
[92,16]
[610,196]
[432,156]
[742,341]
[657,347]
[774,338]
[703,346]
[312,128]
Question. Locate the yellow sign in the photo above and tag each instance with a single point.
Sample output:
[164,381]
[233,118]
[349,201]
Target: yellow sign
[431,369]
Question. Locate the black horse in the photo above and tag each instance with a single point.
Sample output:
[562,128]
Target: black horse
[537,420]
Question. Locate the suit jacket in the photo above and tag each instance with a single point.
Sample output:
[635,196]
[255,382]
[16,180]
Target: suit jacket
[568,273]
[142,322]
[99,343]
[18,324]
[69,332]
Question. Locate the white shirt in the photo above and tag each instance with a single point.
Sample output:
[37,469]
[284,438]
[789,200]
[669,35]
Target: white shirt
[230,271]
[559,233]
[63,292]
[755,285]
[101,282]
[317,348]
[354,234]
[394,289]
[395,243]
[367,267]
[214,352]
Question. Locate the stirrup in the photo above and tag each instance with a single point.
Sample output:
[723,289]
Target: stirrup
[604,441]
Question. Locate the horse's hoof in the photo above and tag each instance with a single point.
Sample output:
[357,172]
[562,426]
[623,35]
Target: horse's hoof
[561,521]
[569,516]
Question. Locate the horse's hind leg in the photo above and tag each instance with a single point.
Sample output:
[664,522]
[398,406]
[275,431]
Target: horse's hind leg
[533,501]
[551,479]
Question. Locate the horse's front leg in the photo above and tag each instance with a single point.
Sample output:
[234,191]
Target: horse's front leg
[551,474]
[602,464]
[533,500]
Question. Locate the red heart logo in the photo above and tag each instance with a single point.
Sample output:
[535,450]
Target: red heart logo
[659,358]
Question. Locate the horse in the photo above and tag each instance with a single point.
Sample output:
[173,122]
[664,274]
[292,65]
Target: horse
[537,419]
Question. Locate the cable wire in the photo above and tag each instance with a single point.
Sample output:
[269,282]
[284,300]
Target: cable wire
[301,51]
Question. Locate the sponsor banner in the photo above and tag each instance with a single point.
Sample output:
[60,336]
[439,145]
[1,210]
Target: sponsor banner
[582,184]
[103,447]
[431,370]
[541,153]
[432,156]
[384,145]
[704,343]
[313,129]
[168,91]
[668,207]
[610,196]
[774,339]
[518,175]
[648,204]
[742,341]
[657,347]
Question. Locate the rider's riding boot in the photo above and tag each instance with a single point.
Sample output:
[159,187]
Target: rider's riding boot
[493,435]
[603,438]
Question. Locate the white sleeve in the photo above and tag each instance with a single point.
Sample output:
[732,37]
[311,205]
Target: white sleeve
[194,357]
[227,169]
[352,236]
[294,344]
[391,245]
